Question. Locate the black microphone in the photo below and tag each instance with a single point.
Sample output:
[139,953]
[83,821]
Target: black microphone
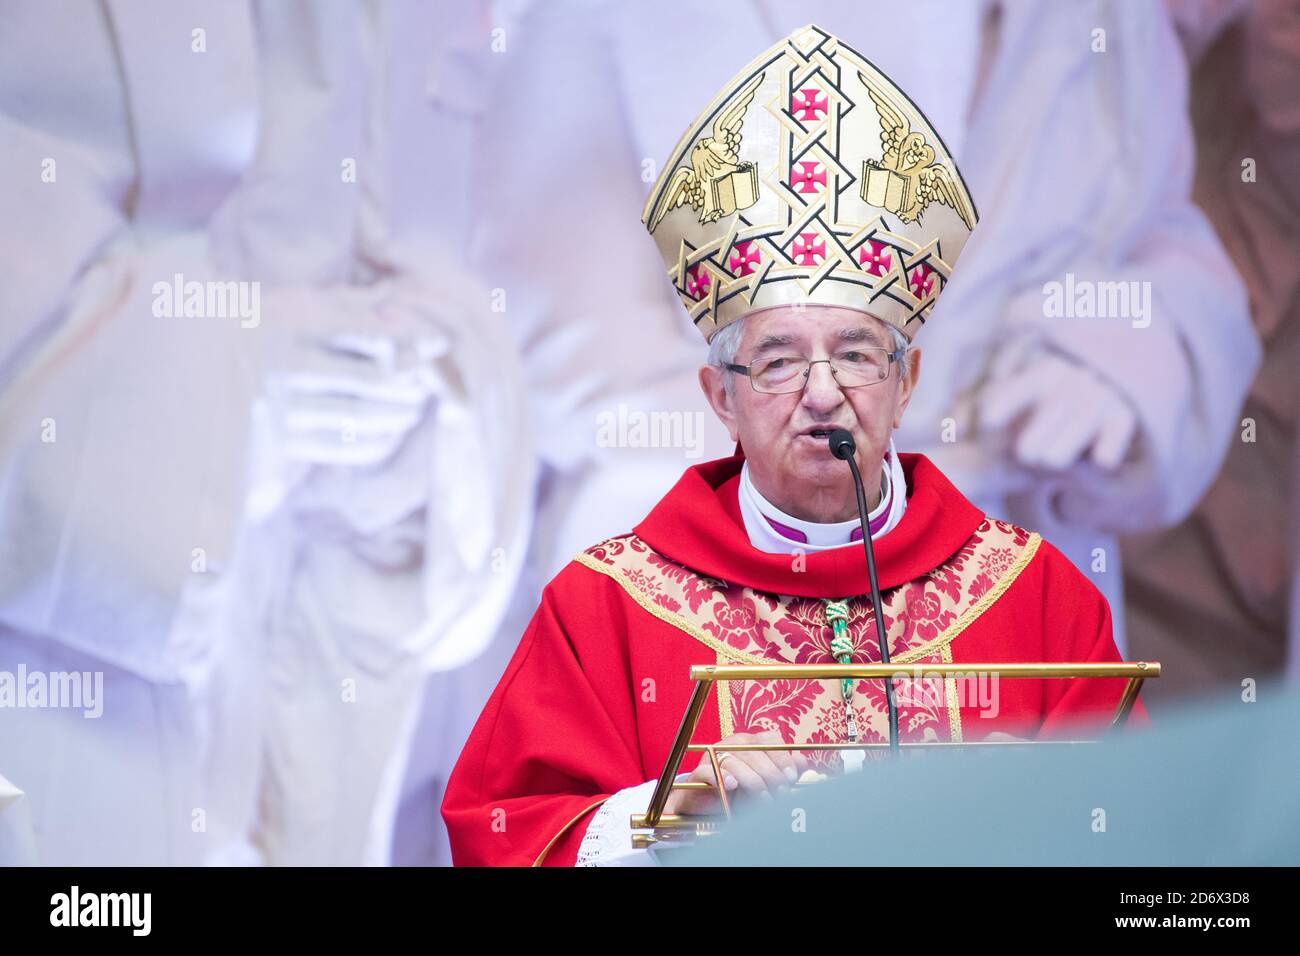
[843,447]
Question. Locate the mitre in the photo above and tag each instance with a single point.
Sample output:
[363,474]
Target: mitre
[811,178]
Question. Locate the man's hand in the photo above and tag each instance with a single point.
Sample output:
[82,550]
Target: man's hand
[745,773]
[1058,413]
[349,373]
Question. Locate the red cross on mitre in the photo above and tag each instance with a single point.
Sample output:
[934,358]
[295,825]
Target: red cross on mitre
[921,280]
[809,249]
[807,103]
[744,258]
[697,281]
[875,257]
[807,177]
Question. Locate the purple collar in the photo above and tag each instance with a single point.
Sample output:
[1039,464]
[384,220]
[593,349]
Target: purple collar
[876,523]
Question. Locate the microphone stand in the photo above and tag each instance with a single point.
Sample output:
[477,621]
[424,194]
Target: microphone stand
[843,446]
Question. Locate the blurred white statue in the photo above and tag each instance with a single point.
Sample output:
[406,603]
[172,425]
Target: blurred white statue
[264,526]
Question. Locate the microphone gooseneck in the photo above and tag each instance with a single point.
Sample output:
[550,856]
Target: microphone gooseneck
[842,446]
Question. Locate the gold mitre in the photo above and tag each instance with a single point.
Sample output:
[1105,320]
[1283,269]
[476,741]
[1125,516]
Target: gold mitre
[810,178]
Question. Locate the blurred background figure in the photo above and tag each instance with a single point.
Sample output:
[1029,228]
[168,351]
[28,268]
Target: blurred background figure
[1213,596]
[263,528]
[393,467]
[122,432]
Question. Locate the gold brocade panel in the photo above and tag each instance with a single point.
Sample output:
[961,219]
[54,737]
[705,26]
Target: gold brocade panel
[743,625]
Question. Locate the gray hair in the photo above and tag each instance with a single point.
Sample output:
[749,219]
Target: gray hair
[726,343]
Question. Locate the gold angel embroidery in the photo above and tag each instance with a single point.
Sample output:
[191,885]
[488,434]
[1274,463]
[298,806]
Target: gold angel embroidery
[717,183]
[907,179]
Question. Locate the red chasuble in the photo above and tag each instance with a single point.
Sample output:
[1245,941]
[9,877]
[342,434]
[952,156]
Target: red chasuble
[595,693]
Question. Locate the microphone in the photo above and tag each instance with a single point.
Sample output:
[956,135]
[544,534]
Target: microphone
[844,447]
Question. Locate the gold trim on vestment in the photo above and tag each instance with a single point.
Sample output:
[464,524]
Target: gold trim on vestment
[950,691]
[967,617]
[725,722]
[541,857]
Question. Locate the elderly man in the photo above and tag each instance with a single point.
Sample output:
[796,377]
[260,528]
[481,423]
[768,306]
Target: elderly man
[809,220]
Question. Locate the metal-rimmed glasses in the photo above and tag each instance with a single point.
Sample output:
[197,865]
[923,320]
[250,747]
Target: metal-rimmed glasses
[851,368]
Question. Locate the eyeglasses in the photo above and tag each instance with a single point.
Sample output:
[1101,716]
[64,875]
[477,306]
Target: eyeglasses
[852,368]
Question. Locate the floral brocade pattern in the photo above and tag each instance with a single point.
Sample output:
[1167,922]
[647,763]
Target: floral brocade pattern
[744,625]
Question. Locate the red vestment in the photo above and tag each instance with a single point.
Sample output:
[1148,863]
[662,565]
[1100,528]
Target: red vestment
[594,694]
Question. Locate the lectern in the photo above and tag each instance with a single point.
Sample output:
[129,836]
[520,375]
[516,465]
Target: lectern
[658,827]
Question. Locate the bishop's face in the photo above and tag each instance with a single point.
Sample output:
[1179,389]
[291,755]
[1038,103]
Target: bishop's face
[785,435]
